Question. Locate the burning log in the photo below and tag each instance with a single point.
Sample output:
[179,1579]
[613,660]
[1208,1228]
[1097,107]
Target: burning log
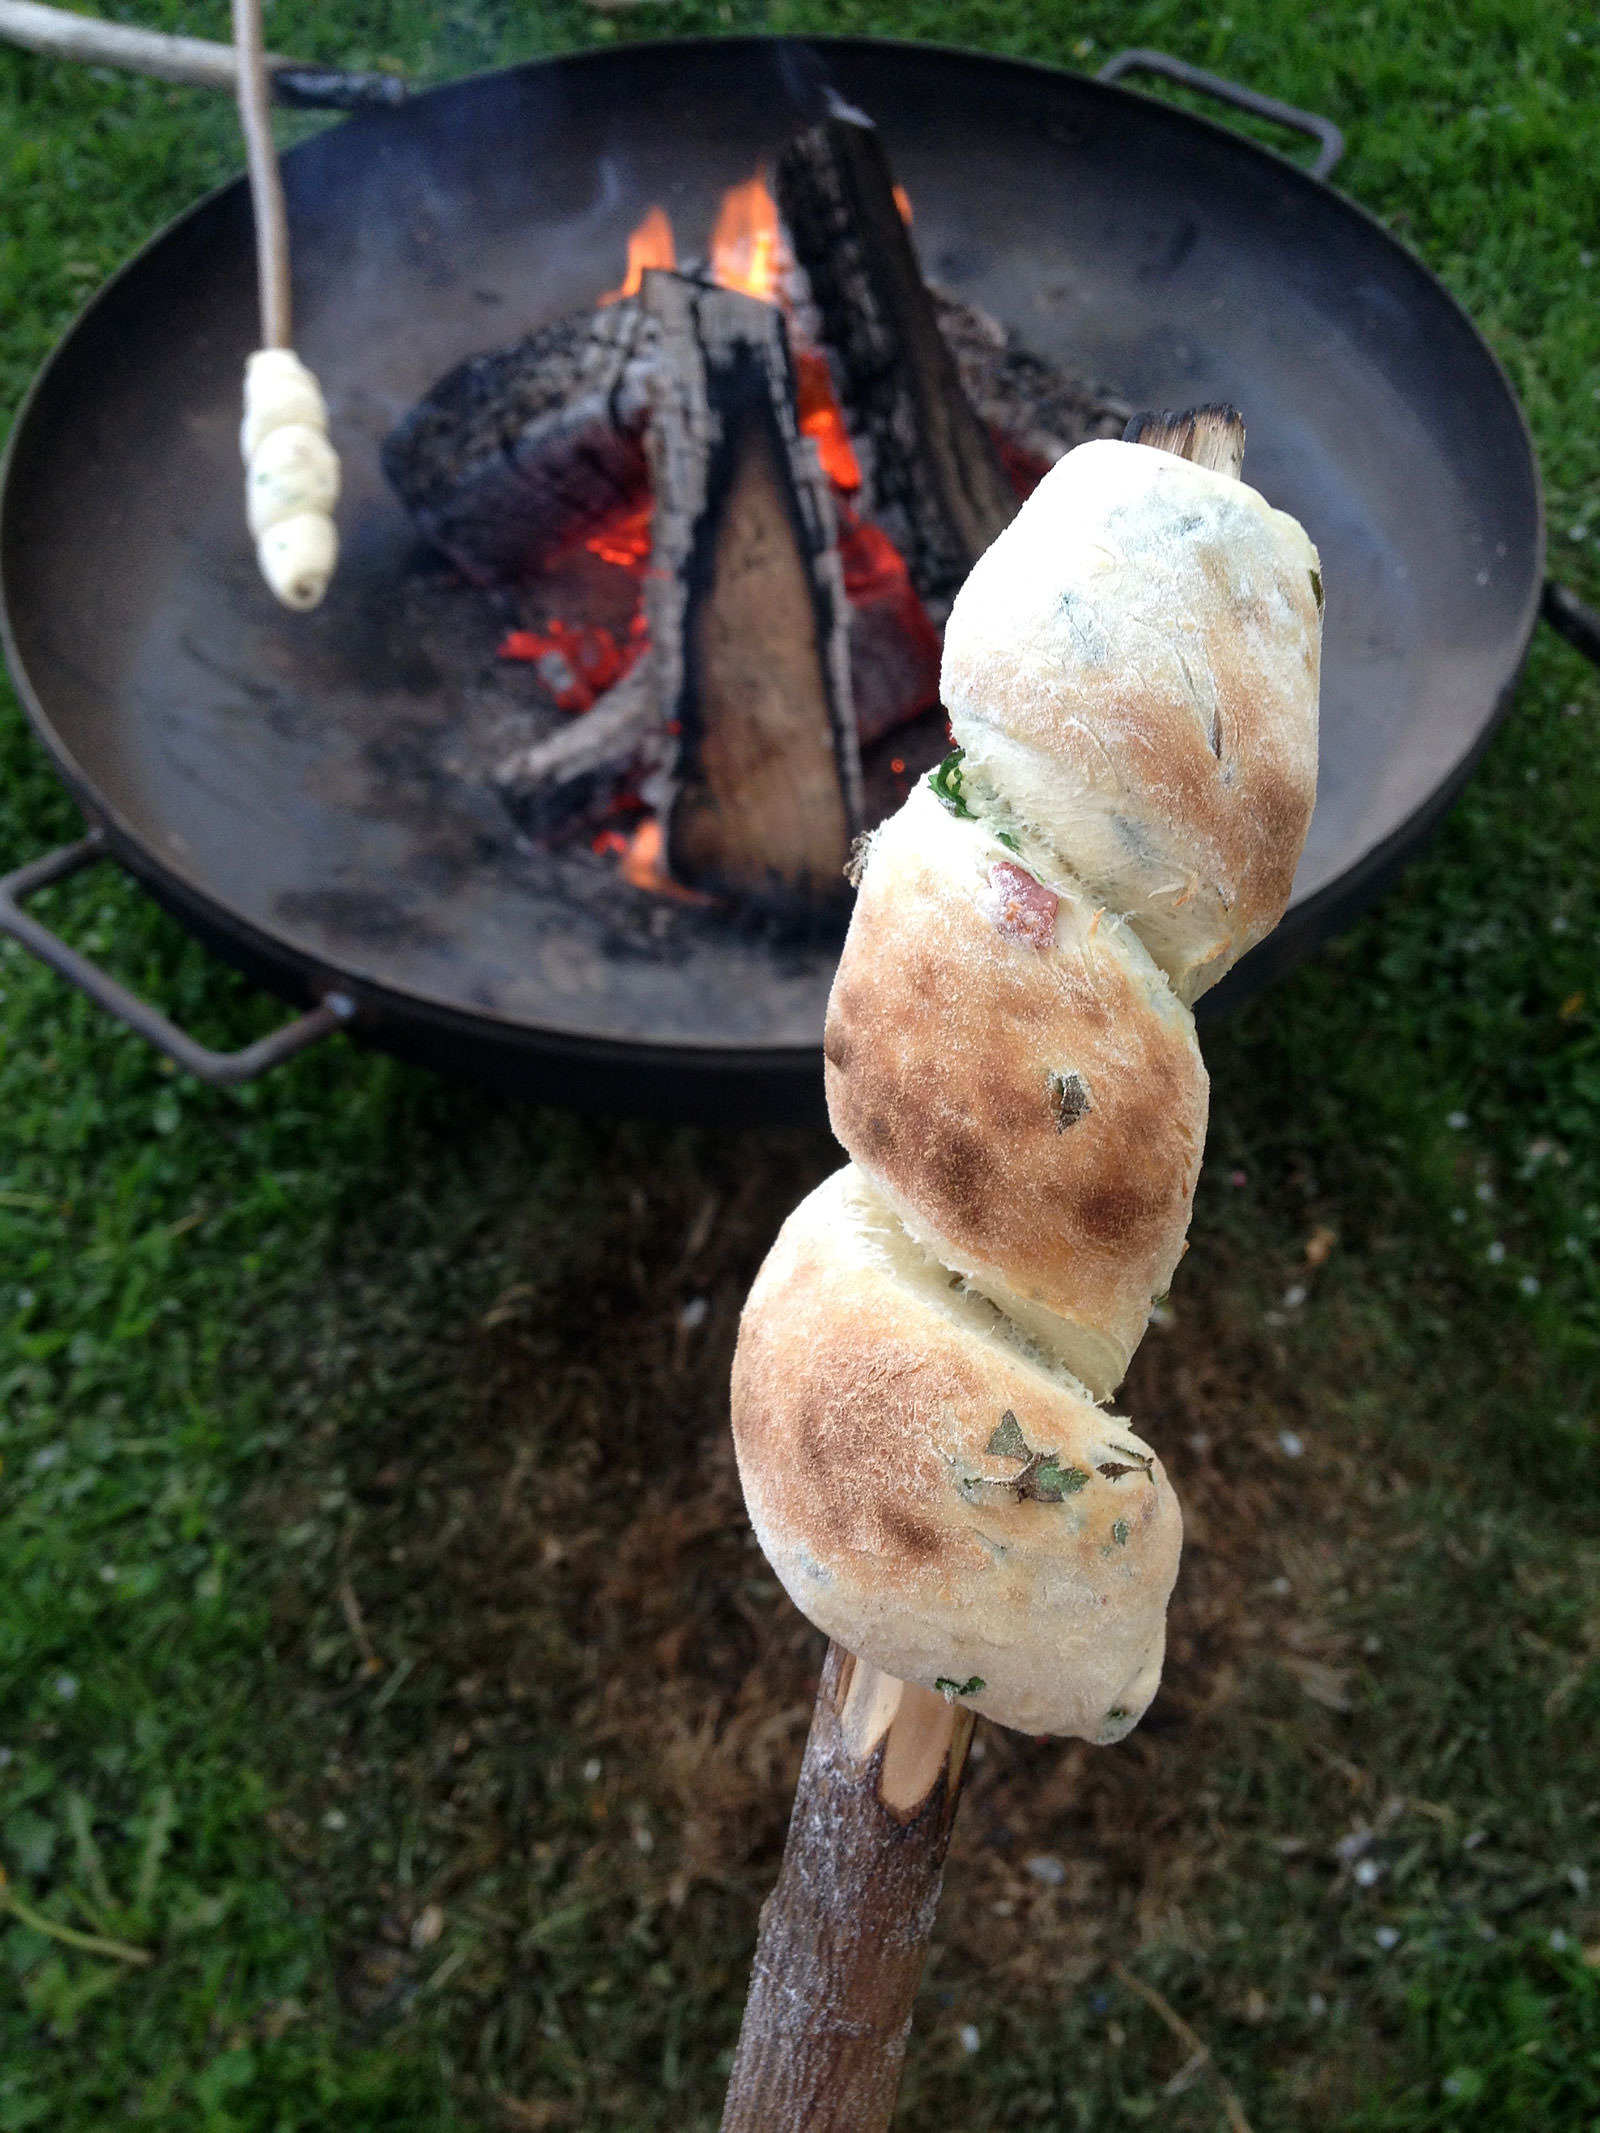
[1035,413]
[514,452]
[746,605]
[764,675]
[938,486]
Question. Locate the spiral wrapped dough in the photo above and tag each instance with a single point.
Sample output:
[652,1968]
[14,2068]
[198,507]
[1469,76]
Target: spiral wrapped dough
[291,476]
[1131,673]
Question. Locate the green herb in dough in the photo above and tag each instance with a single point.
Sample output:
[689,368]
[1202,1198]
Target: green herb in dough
[1008,1441]
[950,1690]
[1046,1480]
[945,785]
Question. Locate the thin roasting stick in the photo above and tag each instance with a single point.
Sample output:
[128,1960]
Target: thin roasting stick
[292,471]
[266,183]
[57,33]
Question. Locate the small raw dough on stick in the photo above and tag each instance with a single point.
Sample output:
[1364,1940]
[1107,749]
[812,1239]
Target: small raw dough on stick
[291,476]
[291,470]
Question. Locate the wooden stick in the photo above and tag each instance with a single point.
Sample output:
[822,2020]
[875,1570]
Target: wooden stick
[844,1934]
[266,182]
[1210,436]
[58,34]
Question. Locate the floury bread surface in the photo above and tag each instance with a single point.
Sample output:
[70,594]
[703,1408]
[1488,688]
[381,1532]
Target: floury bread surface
[1131,672]
[870,1396]
[1022,1088]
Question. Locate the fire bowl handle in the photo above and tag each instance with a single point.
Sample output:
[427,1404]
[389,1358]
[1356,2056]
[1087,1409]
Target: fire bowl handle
[221,1069]
[332,89]
[1567,615]
[1323,131]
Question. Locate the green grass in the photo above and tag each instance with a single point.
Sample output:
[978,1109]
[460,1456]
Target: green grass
[356,1331]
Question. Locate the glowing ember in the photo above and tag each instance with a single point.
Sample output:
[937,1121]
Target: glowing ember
[576,664]
[650,245]
[625,541]
[902,200]
[887,613]
[871,561]
[747,247]
[1025,468]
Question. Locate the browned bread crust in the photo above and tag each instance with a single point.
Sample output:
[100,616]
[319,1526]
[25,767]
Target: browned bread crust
[1029,1098]
[868,1395]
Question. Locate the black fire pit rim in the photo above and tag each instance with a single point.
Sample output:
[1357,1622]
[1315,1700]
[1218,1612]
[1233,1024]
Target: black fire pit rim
[280,964]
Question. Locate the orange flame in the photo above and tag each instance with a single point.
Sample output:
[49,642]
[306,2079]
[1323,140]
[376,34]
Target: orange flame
[747,247]
[650,245]
[902,200]
[644,865]
[820,417]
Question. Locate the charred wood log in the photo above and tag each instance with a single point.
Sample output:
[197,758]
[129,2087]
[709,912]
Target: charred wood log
[746,606]
[514,452]
[582,770]
[1027,403]
[938,487]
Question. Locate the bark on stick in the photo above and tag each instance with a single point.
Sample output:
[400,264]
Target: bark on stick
[844,1933]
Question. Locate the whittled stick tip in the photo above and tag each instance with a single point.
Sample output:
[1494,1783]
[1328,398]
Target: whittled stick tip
[1211,436]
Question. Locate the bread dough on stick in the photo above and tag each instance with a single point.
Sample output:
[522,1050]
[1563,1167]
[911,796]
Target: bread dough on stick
[1132,673]
[291,476]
